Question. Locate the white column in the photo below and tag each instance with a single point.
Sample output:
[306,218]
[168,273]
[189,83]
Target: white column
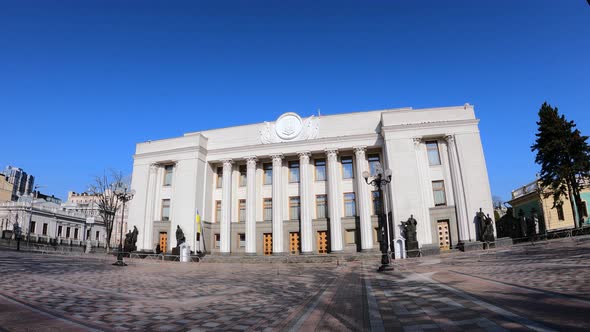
[251,206]
[277,205]
[150,203]
[306,203]
[363,199]
[334,200]
[459,195]
[425,187]
[224,227]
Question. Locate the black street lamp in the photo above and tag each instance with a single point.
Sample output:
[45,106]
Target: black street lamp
[124,196]
[17,234]
[379,180]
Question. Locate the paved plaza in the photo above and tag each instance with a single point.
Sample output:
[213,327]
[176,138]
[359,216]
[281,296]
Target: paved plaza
[525,287]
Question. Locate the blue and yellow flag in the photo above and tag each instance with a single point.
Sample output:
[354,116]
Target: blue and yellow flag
[198,221]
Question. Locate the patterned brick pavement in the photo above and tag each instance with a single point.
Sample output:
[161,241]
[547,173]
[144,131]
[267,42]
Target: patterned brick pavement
[458,292]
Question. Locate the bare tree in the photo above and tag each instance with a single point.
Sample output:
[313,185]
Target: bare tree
[103,189]
[497,201]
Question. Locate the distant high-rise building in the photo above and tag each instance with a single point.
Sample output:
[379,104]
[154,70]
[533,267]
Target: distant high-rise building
[22,183]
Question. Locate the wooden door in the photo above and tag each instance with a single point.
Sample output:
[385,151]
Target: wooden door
[267,243]
[294,243]
[444,238]
[322,242]
[163,241]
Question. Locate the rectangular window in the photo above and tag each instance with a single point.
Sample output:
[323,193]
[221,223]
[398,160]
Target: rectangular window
[294,171]
[347,172]
[75,233]
[87,234]
[242,210]
[243,175]
[349,236]
[33,227]
[165,210]
[267,173]
[584,208]
[374,162]
[438,189]
[45,229]
[97,235]
[560,215]
[376,202]
[217,211]
[349,205]
[168,175]
[216,240]
[294,208]
[267,206]
[219,179]
[433,154]
[241,240]
[321,206]
[320,169]
[67,232]
[59,231]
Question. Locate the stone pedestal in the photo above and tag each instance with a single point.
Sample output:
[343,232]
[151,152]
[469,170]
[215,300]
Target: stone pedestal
[470,246]
[412,249]
[88,246]
[400,248]
[503,242]
[185,253]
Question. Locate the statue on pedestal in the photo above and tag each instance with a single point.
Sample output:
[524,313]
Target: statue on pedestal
[180,239]
[131,240]
[410,235]
[488,230]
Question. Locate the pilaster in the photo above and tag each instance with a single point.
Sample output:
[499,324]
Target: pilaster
[150,203]
[458,190]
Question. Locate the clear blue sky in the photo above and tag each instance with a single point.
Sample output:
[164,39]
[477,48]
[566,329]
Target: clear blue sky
[81,82]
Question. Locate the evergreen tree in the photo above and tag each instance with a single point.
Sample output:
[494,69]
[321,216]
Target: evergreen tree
[564,156]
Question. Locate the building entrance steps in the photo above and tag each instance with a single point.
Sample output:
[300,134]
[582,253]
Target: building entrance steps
[314,258]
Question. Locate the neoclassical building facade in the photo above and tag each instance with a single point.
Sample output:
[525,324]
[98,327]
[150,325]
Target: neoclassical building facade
[296,185]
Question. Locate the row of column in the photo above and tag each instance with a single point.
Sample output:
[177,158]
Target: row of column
[335,204]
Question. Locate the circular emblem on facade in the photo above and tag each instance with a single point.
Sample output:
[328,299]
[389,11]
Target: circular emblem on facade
[288,126]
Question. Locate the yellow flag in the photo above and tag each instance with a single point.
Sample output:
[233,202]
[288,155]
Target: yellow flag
[198,221]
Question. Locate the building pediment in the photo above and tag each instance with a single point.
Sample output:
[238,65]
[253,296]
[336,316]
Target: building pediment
[289,127]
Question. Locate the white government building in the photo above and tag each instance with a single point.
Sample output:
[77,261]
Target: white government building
[295,185]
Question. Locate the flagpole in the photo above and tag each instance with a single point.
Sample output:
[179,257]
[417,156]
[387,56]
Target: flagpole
[198,231]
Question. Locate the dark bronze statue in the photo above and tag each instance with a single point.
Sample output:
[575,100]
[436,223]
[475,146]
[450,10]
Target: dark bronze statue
[412,246]
[410,229]
[131,240]
[488,230]
[180,239]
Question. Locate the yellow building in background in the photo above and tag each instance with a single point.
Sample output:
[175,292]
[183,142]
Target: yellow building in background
[5,189]
[528,200]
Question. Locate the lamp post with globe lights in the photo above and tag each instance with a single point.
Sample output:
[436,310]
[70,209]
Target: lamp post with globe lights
[124,195]
[380,180]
